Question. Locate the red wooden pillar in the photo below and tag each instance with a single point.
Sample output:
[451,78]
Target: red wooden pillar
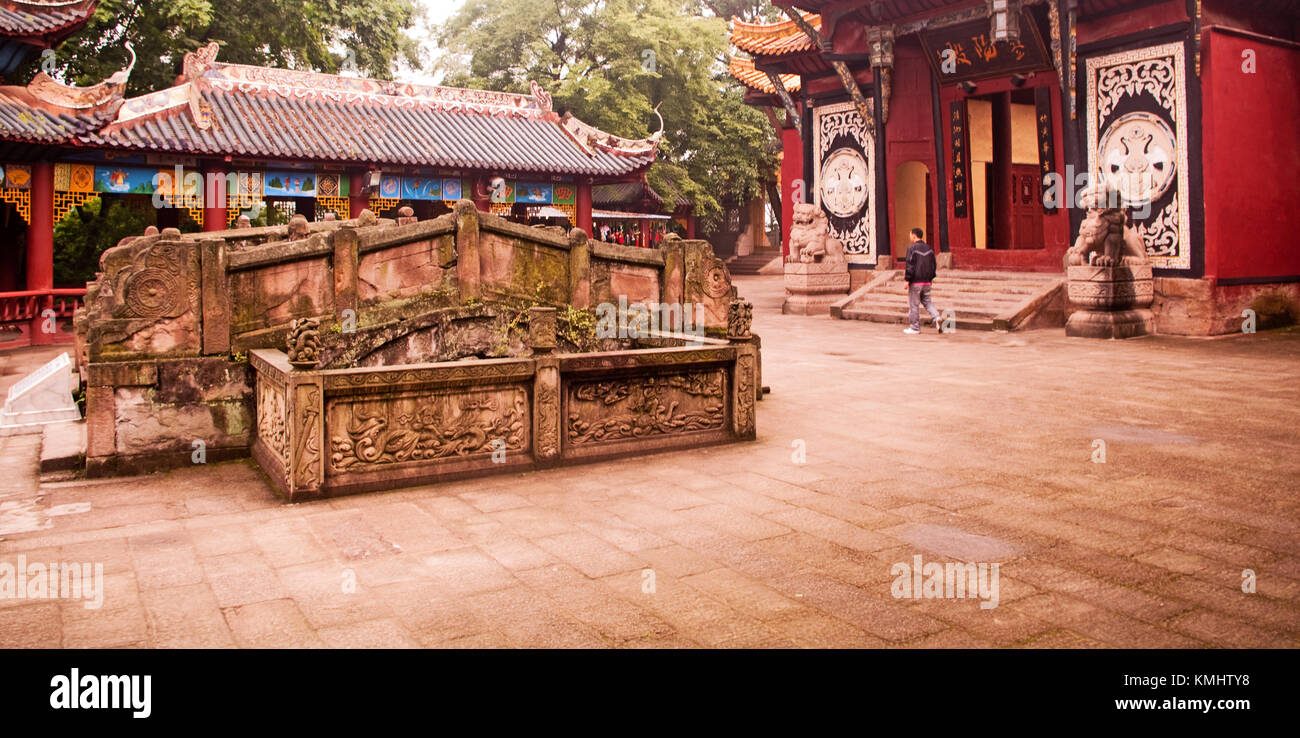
[215,207]
[791,180]
[357,198]
[480,194]
[644,225]
[584,206]
[40,244]
[690,226]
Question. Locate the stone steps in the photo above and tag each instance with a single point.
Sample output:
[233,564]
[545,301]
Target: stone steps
[751,263]
[978,300]
[63,446]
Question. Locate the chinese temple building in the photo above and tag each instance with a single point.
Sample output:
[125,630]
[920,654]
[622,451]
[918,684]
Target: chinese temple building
[634,214]
[227,139]
[979,121]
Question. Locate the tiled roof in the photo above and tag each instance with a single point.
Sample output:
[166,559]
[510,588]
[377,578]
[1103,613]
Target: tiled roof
[35,18]
[21,120]
[773,39]
[233,109]
[48,112]
[744,71]
[887,10]
[630,195]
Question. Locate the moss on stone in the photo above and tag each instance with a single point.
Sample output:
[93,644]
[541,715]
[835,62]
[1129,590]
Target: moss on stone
[1275,310]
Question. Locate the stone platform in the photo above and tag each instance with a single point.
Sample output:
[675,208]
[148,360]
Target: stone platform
[812,288]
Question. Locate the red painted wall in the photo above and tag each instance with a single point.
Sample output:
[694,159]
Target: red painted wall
[1249,17]
[1251,160]
[1111,25]
[909,134]
[791,171]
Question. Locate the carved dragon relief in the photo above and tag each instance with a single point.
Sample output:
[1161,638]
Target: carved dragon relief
[368,433]
[608,410]
[271,425]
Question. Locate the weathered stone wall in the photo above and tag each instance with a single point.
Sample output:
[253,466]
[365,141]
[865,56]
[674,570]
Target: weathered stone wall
[144,415]
[168,324]
[1200,307]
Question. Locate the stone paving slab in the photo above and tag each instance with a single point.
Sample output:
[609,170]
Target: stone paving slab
[873,448]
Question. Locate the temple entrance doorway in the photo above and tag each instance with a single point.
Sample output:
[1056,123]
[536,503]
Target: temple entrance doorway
[913,194]
[1004,172]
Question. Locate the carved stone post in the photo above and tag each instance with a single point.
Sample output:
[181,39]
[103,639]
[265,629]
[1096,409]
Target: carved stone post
[346,254]
[706,286]
[739,316]
[216,296]
[546,410]
[579,269]
[306,413]
[670,281]
[546,385]
[467,254]
[744,388]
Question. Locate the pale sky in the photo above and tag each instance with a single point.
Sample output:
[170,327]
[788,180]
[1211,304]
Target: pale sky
[436,12]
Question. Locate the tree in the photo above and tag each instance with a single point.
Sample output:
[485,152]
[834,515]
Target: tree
[86,232]
[612,63]
[320,35]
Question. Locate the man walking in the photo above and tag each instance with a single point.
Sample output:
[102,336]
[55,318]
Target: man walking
[920,273]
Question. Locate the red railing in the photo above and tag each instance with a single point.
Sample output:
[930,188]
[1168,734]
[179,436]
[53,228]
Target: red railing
[17,307]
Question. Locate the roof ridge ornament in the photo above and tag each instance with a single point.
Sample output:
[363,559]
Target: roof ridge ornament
[46,89]
[590,137]
[200,60]
[542,97]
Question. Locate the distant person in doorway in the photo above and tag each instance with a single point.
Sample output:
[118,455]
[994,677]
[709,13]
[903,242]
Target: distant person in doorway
[921,267]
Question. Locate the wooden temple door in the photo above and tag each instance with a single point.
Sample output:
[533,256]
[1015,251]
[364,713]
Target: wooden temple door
[1026,210]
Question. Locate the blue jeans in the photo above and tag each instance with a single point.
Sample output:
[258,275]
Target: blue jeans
[919,293]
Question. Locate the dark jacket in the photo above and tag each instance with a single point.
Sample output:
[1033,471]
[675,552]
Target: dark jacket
[920,263]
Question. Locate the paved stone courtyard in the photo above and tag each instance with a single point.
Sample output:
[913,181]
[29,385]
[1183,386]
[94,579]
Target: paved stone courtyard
[966,447]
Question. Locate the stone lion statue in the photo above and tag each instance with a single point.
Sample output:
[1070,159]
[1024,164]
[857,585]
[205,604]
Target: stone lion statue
[1105,239]
[810,238]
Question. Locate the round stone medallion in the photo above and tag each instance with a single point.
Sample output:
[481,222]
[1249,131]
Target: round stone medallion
[1138,153]
[154,293]
[844,185]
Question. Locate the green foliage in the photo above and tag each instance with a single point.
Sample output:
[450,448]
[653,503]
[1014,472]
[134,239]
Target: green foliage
[293,34]
[611,63]
[265,215]
[85,233]
[577,326]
